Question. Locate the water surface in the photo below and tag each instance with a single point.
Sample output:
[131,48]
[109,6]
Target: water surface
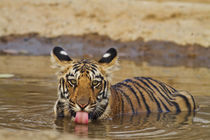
[27,99]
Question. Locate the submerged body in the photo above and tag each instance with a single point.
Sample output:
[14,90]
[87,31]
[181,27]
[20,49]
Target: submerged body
[85,92]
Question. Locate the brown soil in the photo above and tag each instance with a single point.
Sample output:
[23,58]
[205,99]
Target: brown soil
[180,21]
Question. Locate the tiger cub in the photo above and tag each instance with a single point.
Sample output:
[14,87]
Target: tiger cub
[86,94]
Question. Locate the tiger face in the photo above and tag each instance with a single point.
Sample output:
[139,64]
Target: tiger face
[84,85]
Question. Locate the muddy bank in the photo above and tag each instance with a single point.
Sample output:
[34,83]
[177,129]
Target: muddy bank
[181,21]
[154,52]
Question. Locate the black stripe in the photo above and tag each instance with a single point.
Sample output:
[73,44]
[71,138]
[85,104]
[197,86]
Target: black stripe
[76,70]
[126,96]
[161,83]
[169,91]
[174,90]
[151,97]
[164,86]
[166,99]
[99,76]
[185,99]
[67,92]
[152,93]
[141,80]
[194,106]
[132,90]
[145,103]
[104,94]
[70,74]
[77,67]
[60,109]
[158,105]
[76,64]
[94,65]
[92,71]
[164,91]
[147,79]
[177,106]
[61,88]
[167,109]
[63,85]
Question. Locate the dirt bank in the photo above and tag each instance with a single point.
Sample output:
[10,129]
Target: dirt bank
[154,52]
[182,22]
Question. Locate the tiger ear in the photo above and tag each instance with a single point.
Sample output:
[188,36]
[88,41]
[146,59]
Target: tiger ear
[109,61]
[59,57]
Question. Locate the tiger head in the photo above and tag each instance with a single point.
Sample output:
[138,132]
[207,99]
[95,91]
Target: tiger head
[84,84]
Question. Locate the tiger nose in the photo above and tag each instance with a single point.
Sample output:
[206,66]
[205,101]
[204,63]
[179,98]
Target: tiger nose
[83,102]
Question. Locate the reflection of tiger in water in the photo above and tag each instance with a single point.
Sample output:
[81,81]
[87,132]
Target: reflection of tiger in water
[84,86]
[134,125]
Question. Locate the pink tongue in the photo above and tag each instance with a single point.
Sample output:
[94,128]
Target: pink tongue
[81,117]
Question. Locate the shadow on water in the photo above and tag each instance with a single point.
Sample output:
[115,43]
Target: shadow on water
[154,52]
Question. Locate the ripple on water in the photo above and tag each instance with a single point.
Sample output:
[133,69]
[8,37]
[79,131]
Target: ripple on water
[27,104]
[34,112]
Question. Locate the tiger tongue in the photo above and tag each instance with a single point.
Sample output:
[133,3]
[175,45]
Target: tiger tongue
[81,117]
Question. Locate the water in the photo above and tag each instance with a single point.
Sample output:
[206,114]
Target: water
[27,99]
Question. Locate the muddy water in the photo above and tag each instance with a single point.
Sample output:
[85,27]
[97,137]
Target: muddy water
[28,96]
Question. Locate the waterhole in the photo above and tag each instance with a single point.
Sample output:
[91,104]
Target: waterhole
[28,93]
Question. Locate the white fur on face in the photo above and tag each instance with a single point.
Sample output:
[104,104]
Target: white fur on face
[106,55]
[63,53]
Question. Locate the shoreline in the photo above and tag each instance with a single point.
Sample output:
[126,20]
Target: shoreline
[154,52]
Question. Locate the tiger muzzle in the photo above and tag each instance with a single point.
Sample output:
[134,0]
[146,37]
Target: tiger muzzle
[83,102]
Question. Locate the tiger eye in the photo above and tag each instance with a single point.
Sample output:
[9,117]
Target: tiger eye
[95,83]
[73,81]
